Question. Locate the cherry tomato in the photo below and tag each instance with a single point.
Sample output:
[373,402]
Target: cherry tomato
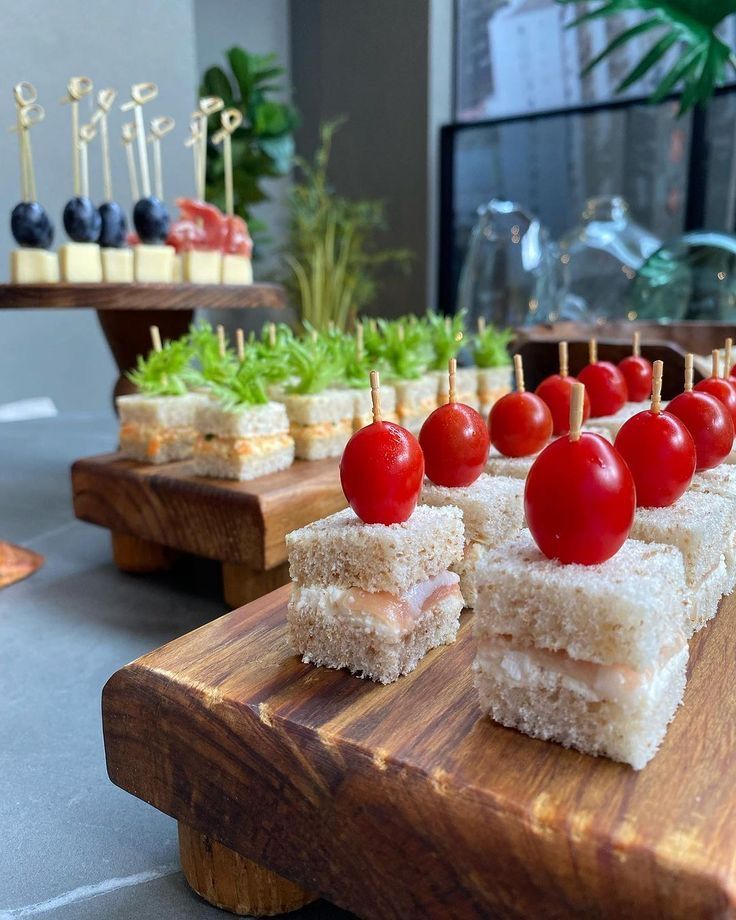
[660,452]
[381,473]
[606,388]
[732,372]
[637,373]
[580,500]
[556,391]
[455,442]
[520,424]
[723,390]
[709,423]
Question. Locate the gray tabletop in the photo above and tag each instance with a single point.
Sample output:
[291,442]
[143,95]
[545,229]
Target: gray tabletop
[72,845]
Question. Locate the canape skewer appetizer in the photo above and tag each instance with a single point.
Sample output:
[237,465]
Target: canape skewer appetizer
[117,258]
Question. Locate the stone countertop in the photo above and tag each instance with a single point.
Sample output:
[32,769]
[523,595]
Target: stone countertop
[75,847]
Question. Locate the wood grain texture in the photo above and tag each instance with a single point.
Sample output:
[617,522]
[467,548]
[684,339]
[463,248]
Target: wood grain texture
[231,882]
[133,296]
[234,522]
[241,584]
[403,802]
[541,359]
[130,554]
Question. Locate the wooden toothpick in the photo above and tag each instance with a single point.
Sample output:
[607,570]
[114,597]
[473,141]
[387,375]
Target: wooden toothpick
[272,334]
[727,358]
[359,340]
[592,351]
[87,133]
[481,325]
[208,105]
[716,362]
[195,142]
[77,88]
[221,340]
[375,396]
[657,369]
[576,410]
[240,344]
[140,94]
[27,116]
[519,373]
[452,393]
[636,348]
[230,120]
[156,338]
[160,127]
[105,100]
[688,373]
[564,367]
[128,138]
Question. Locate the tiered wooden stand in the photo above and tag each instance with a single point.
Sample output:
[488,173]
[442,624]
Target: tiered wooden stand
[402,801]
[157,512]
[127,311]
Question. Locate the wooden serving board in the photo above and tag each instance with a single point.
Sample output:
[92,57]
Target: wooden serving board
[153,510]
[403,802]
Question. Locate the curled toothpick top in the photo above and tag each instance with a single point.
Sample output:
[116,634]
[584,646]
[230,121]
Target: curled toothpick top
[77,88]
[87,133]
[208,105]
[161,125]
[140,94]
[105,99]
[24,93]
[128,132]
[29,115]
[231,120]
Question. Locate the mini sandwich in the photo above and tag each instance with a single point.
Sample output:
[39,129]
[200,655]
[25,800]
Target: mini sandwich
[493,513]
[493,367]
[415,399]
[362,414]
[701,527]
[242,442]
[157,424]
[446,337]
[158,429]
[593,657]
[375,598]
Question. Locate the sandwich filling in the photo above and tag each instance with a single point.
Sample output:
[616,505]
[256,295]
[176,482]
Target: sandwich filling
[154,437]
[616,683]
[212,445]
[390,614]
[321,429]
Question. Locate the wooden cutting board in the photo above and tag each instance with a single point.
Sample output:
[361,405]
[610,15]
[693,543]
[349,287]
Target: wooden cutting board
[154,509]
[403,802]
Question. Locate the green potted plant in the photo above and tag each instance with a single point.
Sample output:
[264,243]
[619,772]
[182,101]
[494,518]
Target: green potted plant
[332,253]
[263,146]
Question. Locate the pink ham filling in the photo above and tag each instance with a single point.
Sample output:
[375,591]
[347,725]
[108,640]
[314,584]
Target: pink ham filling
[615,682]
[401,613]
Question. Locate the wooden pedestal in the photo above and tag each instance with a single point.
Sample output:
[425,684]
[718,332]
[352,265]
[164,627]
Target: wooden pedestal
[403,801]
[157,512]
[231,882]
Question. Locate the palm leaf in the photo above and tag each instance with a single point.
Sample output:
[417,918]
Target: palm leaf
[618,42]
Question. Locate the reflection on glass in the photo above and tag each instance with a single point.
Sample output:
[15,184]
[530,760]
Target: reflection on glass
[690,278]
[507,275]
[598,260]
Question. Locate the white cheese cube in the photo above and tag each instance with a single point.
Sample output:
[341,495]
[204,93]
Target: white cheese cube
[178,271]
[80,263]
[236,269]
[154,262]
[117,264]
[33,266]
[201,266]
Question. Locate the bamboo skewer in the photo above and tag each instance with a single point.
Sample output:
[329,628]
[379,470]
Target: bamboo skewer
[105,100]
[140,94]
[87,133]
[128,138]
[208,105]
[657,370]
[195,142]
[230,119]
[240,344]
[160,127]
[77,88]
[27,116]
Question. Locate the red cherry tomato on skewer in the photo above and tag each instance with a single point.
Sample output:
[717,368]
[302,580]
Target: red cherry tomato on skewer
[709,423]
[556,391]
[381,471]
[723,389]
[455,442]
[637,372]
[579,498]
[520,424]
[605,384]
[659,451]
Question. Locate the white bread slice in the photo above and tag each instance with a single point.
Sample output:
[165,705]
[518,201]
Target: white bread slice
[242,422]
[363,406]
[492,506]
[161,411]
[493,383]
[332,638]
[415,399]
[221,459]
[613,423]
[341,550]
[719,481]
[698,524]
[466,386]
[513,467]
[545,703]
[314,408]
[156,444]
[623,611]
[323,439]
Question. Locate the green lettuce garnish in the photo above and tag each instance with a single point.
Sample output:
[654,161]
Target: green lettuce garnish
[209,367]
[315,363]
[490,347]
[446,335]
[165,372]
[404,347]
